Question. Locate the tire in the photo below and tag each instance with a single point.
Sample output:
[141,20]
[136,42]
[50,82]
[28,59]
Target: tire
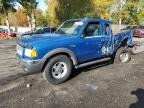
[58,69]
[123,55]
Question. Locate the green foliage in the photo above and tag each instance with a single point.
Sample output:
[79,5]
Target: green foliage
[61,10]
[41,22]
[41,19]
[140,16]
[68,9]
[132,12]
[29,6]
[7,5]
[102,8]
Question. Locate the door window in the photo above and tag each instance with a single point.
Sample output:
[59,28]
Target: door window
[107,29]
[92,29]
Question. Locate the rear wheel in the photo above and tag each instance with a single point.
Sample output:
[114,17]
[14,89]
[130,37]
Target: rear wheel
[123,55]
[58,69]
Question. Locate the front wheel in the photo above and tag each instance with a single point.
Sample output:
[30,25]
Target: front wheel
[58,69]
[123,55]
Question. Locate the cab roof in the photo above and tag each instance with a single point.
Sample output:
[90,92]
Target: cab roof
[93,19]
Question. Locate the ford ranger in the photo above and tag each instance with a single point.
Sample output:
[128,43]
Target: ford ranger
[76,43]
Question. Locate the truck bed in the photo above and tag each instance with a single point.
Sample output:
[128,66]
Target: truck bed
[124,36]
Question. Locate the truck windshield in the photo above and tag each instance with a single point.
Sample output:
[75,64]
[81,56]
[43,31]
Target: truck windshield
[70,27]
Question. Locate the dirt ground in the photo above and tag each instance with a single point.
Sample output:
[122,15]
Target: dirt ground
[102,85]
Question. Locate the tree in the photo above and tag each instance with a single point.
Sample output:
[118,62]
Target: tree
[132,12]
[141,12]
[50,13]
[1,18]
[5,7]
[102,8]
[41,19]
[12,19]
[21,17]
[61,10]
[29,6]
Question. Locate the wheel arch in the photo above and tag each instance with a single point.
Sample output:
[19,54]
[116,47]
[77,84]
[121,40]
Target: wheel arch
[124,42]
[59,51]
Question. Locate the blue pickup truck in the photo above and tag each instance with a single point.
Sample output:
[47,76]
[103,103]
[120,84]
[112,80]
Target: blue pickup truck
[76,43]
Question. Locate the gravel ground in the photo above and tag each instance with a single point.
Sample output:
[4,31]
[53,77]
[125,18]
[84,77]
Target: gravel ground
[99,86]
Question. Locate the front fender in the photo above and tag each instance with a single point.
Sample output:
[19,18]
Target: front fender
[61,50]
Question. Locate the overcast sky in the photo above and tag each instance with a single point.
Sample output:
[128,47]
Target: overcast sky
[42,5]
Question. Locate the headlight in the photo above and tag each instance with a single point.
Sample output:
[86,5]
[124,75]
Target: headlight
[31,53]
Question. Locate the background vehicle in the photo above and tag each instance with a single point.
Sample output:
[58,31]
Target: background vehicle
[138,31]
[4,33]
[41,31]
[76,43]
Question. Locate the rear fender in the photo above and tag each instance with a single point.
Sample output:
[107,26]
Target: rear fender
[123,40]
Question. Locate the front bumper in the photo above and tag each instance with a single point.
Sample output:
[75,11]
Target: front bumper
[30,66]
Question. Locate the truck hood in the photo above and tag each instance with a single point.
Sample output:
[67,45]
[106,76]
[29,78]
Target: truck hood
[34,40]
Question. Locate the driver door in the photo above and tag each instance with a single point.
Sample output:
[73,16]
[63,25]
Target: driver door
[92,42]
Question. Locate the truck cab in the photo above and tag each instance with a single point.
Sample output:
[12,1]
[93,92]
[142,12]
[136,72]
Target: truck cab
[76,43]
[96,37]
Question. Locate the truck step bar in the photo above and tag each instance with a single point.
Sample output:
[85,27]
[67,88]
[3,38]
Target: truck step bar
[92,62]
